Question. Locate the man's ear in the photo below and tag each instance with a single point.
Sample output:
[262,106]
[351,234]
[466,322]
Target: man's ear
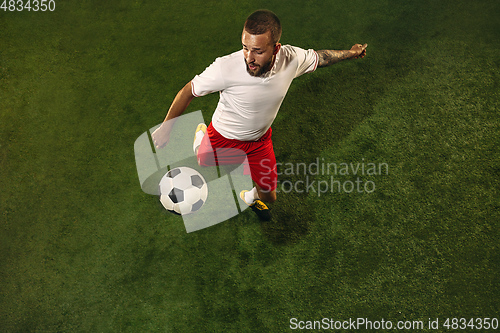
[277,47]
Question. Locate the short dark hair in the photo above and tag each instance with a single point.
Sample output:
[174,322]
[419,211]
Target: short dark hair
[261,21]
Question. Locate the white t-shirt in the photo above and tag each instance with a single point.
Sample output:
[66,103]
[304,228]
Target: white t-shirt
[248,104]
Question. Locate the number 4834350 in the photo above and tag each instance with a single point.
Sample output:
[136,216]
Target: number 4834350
[30,5]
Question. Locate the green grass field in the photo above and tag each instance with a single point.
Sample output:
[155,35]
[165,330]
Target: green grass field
[83,249]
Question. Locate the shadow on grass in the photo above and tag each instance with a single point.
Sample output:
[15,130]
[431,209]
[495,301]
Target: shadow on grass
[311,120]
[291,219]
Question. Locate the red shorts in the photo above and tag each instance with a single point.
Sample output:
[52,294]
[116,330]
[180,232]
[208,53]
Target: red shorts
[256,156]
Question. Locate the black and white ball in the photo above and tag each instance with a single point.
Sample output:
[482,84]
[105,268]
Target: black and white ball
[183,190]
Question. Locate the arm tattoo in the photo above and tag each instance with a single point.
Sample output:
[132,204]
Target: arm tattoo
[330,57]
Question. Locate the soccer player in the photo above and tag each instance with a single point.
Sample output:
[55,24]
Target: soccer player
[252,84]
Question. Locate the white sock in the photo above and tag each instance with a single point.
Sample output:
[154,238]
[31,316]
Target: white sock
[251,196]
[197,141]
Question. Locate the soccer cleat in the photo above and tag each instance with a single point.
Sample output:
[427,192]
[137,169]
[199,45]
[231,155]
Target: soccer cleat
[258,207]
[201,129]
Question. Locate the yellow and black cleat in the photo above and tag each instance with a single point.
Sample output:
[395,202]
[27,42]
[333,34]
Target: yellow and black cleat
[258,207]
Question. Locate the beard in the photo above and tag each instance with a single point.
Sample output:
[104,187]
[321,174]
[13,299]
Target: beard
[260,69]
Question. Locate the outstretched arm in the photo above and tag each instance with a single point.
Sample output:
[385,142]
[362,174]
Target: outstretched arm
[330,57]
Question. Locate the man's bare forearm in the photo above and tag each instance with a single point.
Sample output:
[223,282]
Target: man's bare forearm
[180,103]
[330,57]
[161,135]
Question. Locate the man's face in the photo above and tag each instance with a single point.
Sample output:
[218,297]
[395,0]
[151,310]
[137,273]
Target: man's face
[258,51]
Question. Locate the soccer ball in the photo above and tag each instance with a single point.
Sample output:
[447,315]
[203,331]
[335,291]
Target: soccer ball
[183,190]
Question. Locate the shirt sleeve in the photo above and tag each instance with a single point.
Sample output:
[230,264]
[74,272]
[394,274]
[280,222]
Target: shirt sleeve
[308,61]
[209,81]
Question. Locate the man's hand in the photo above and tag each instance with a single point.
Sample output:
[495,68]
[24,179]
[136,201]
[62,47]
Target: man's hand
[161,136]
[360,50]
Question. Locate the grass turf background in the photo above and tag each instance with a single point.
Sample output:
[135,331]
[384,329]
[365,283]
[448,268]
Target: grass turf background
[83,249]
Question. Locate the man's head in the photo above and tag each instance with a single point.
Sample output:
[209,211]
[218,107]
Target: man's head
[260,39]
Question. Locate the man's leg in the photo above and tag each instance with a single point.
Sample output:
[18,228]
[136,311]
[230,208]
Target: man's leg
[267,196]
[201,129]
[257,193]
[256,197]
[262,163]
[252,199]
[202,146]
